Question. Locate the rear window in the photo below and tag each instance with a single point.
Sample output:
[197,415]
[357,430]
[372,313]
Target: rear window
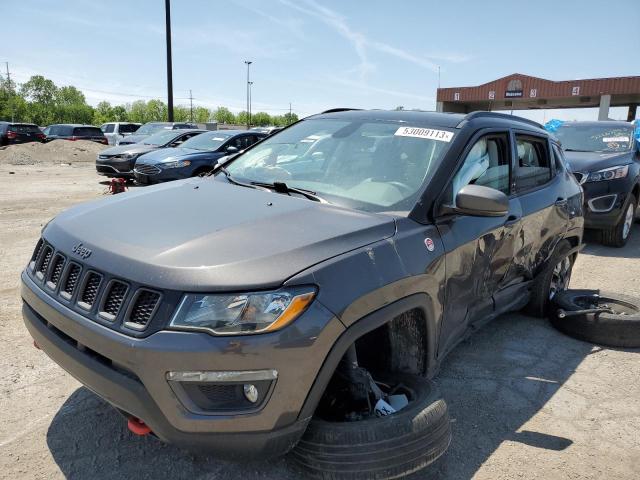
[107,127]
[87,132]
[22,128]
[128,128]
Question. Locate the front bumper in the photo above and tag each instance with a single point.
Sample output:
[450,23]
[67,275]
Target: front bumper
[164,175]
[605,201]
[130,373]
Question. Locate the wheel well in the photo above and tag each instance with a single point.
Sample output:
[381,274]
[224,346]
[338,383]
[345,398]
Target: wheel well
[399,345]
[636,192]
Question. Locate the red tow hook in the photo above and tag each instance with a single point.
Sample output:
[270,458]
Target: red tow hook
[35,344]
[138,427]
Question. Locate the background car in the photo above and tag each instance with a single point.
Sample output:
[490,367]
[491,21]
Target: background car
[605,158]
[115,131]
[19,133]
[152,127]
[194,157]
[267,130]
[119,161]
[65,131]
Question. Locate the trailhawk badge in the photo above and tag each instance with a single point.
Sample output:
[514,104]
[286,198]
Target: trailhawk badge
[429,244]
[82,251]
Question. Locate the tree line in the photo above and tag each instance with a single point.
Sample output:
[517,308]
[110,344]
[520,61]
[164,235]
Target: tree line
[39,100]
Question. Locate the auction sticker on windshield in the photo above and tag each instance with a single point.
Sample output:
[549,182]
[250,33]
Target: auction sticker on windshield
[615,139]
[428,133]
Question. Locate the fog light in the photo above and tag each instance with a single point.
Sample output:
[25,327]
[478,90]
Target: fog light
[251,392]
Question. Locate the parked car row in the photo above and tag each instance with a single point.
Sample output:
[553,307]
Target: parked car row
[19,133]
[173,154]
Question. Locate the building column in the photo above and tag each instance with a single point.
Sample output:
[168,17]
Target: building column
[439,107]
[631,115]
[605,102]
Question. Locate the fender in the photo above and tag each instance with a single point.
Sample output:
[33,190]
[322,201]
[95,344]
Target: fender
[363,326]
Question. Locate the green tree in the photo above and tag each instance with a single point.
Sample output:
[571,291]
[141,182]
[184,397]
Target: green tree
[102,113]
[137,111]
[261,119]
[156,111]
[241,118]
[181,113]
[290,118]
[119,114]
[41,94]
[201,115]
[71,106]
[224,115]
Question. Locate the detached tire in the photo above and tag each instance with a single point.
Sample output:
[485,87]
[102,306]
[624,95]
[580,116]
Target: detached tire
[379,448]
[621,329]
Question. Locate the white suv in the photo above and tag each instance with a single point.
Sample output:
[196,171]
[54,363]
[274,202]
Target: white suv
[116,130]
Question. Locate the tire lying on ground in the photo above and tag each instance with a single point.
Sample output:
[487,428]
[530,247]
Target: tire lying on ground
[618,329]
[380,448]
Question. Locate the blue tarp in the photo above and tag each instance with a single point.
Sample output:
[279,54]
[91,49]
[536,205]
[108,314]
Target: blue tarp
[553,125]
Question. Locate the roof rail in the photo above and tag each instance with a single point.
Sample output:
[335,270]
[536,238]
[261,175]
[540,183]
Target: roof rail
[482,113]
[340,109]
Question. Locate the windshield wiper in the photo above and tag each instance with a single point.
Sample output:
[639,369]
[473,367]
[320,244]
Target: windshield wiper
[576,150]
[227,174]
[282,187]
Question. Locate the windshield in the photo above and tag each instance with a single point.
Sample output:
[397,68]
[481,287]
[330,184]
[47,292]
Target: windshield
[149,128]
[162,137]
[595,138]
[206,141]
[367,165]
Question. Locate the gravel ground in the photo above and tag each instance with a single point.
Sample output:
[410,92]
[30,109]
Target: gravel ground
[525,400]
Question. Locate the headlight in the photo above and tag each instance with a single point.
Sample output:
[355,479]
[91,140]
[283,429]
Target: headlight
[242,314]
[176,164]
[609,173]
[131,156]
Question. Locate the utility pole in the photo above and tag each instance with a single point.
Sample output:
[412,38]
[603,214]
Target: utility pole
[191,105]
[167,9]
[248,62]
[10,90]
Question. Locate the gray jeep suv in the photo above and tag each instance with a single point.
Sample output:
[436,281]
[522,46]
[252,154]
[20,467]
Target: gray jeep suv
[380,237]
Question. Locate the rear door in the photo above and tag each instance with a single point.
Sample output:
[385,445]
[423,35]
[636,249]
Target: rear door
[479,250]
[542,194]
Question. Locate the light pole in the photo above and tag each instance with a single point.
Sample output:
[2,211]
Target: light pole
[248,62]
[167,10]
[250,86]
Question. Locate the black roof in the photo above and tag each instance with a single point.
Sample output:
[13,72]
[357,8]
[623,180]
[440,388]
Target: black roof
[419,117]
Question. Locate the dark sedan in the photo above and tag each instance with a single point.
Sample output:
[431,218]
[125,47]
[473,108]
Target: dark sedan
[19,133]
[119,161]
[70,131]
[194,157]
[605,158]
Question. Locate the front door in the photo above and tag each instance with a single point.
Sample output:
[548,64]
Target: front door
[478,250]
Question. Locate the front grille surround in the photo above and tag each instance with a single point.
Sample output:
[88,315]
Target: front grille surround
[126,306]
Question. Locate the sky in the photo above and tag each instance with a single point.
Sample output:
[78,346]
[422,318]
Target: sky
[317,54]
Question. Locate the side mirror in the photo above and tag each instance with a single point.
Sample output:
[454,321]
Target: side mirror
[231,149]
[480,201]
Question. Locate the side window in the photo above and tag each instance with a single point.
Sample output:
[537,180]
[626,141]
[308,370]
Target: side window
[127,128]
[559,159]
[108,128]
[533,167]
[486,164]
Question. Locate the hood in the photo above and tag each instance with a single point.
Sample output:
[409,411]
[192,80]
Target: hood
[133,138]
[136,148]
[207,235]
[592,161]
[170,154]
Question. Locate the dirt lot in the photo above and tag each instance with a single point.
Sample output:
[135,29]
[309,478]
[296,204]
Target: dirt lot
[525,400]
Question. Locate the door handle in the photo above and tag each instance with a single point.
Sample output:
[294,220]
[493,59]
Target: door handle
[561,201]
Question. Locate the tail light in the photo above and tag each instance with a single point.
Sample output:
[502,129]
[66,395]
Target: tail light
[11,134]
[104,141]
[41,136]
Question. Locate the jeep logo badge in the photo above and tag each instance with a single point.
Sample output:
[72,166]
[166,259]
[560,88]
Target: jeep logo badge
[82,251]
